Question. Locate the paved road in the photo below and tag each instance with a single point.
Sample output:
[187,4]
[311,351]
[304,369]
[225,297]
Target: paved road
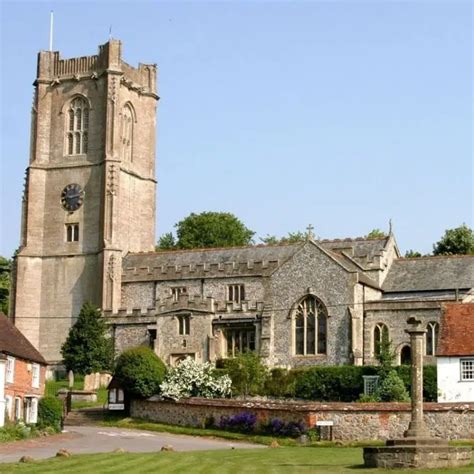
[95,439]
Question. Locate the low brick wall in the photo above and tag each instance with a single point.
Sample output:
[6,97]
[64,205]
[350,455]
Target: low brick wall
[352,421]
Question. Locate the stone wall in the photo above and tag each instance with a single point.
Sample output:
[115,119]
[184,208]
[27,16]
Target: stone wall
[352,421]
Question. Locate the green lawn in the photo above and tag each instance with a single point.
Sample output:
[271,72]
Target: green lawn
[280,460]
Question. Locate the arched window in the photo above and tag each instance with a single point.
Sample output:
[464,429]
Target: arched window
[77,127]
[380,336]
[310,327]
[127,133]
[405,355]
[432,330]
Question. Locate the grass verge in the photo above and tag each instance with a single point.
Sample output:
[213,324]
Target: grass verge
[255,461]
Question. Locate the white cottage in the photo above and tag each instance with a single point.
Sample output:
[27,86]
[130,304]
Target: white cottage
[455,359]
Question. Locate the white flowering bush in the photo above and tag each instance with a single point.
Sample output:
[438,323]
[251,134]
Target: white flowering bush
[194,379]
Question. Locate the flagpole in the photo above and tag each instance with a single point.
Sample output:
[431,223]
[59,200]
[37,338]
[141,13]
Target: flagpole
[51,24]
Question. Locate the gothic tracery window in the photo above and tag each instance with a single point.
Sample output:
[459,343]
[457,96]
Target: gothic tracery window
[310,327]
[77,127]
[127,133]
[380,335]
[432,330]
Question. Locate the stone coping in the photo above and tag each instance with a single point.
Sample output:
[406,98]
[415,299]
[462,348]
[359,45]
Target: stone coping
[301,406]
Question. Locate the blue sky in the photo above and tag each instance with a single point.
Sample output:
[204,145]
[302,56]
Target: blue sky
[339,114]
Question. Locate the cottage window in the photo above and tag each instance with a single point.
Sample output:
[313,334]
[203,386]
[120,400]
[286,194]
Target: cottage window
[184,323]
[31,410]
[35,374]
[236,293]
[240,340]
[17,408]
[72,232]
[77,127]
[178,290]
[467,370]
[432,330]
[310,327]
[8,406]
[381,335]
[10,375]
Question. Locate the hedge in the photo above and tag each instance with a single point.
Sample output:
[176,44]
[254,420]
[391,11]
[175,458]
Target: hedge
[50,413]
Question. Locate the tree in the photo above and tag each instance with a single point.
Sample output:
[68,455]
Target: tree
[291,238]
[376,234]
[458,241]
[140,371]
[5,268]
[87,348]
[412,254]
[166,242]
[212,229]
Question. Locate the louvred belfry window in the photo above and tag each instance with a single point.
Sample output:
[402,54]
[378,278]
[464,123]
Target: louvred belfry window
[77,127]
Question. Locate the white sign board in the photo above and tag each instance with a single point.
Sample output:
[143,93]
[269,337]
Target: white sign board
[325,423]
[116,406]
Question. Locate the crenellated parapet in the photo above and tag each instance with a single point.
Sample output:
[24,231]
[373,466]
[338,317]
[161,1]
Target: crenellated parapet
[186,303]
[53,70]
[191,271]
[130,313]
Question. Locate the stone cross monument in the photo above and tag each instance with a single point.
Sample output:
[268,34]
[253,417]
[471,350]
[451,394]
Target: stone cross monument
[417,448]
[417,427]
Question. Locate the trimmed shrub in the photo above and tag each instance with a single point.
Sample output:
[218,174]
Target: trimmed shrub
[430,381]
[140,371]
[392,389]
[335,384]
[50,413]
[242,422]
[281,383]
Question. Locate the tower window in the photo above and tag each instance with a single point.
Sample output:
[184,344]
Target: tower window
[72,232]
[127,133]
[184,323]
[236,293]
[77,127]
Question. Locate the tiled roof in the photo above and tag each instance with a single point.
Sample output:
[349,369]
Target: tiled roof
[430,273]
[13,342]
[457,330]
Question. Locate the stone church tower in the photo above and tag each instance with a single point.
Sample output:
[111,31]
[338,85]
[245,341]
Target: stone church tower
[90,189]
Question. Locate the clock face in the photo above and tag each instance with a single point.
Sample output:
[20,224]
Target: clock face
[72,197]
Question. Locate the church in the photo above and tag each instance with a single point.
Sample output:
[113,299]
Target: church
[88,234]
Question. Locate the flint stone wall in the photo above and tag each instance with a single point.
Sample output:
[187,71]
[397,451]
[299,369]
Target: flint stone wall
[352,421]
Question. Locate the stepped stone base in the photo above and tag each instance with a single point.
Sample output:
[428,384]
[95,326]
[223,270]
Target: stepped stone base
[416,453]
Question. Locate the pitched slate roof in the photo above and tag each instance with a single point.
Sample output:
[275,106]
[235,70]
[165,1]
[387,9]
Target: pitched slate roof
[13,342]
[430,273]
[174,264]
[457,330]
